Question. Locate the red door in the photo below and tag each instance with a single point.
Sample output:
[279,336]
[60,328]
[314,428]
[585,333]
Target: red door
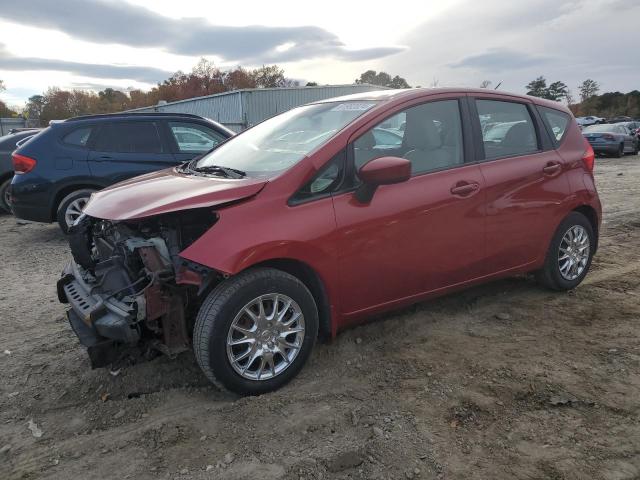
[525,188]
[413,237]
[525,200]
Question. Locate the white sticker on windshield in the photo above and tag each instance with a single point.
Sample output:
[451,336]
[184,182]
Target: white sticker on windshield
[352,107]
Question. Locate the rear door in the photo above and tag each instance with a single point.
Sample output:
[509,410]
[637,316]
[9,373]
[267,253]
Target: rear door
[190,139]
[525,186]
[128,148]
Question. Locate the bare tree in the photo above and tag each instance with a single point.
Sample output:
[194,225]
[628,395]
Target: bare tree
[588,89]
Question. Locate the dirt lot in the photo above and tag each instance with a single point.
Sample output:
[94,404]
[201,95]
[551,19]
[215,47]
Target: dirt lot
[502,381]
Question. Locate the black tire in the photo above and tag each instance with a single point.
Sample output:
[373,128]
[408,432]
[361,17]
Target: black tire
[65,204]
[4,198]
[550,275]
[218,312]
[636,148]
[620,152]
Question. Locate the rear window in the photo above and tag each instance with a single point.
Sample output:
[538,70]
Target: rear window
[129,137]
[78,137]
[556,121]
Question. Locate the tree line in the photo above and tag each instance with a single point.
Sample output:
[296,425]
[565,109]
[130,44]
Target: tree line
[589,102]
[204,79]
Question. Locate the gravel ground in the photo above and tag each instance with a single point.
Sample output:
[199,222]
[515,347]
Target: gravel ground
[506,380]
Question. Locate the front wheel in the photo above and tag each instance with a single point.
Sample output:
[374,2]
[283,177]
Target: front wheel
[255,331]
[570,254]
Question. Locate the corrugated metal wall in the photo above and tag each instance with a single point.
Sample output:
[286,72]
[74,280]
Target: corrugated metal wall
[244,108]
[7,124]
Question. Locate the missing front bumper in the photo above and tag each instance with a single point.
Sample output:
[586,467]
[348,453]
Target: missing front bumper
[111,319]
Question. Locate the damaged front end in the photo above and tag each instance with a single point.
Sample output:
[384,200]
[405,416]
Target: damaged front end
[129,289]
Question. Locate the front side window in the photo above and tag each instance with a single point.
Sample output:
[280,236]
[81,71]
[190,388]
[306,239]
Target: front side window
[557,121]
[282,141]
[429,135]
[129,137]
[507,129]
[194,138]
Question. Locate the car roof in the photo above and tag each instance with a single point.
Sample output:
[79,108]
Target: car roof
[409,93]
[128,115]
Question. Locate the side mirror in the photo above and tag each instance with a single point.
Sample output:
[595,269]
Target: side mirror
[381,171]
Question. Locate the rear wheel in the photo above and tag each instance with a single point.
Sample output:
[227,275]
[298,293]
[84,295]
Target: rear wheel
[255,331]
[71,207]
[570,254]
[5,201]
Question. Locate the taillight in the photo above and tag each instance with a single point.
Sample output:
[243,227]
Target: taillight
[589,157]
[608,136]
[22,163]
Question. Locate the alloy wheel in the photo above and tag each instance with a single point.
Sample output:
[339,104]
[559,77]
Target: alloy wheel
[74,210]
[265,337]
[573,253]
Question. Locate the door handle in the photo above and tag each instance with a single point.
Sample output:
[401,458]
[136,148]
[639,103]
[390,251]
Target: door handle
[104,157]
[551,168]
[463,189]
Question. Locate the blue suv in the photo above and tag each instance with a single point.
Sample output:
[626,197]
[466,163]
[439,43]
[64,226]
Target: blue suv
[57,170]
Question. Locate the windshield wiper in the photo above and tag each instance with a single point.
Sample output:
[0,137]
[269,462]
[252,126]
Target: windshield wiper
[226,171]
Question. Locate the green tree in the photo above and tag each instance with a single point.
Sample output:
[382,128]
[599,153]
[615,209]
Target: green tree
[537,87]
[588,89]
[311,84]
[556,91]
[382,79]
[33,109]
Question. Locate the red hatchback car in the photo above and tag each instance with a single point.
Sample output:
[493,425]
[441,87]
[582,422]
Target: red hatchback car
[325,215]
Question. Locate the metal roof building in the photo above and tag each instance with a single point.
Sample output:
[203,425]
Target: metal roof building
[241,109]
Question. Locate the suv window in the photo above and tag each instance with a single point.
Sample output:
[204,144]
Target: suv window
[192,137]
[78,137]
[556,121]
[326,181]
[429,135]
[129,137]
[507,129]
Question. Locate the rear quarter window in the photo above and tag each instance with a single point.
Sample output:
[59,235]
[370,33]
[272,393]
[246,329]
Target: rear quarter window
[557,123]
[78,137]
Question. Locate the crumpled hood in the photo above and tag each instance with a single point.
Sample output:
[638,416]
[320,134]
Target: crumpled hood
[167,191]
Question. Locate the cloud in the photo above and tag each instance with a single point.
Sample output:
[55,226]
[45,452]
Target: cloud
[499,59]
[515,42]
[141,74]
[122,23]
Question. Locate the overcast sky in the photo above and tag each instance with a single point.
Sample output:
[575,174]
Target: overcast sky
[136,43]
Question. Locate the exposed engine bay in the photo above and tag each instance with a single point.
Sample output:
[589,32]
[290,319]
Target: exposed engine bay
[128,287]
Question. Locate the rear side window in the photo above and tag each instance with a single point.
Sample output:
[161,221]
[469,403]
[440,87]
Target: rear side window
[507,129]
[78,137]
[556,121]
[129,137]
[194,138]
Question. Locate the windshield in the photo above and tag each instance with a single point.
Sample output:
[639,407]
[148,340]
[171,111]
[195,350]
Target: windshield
[282,141]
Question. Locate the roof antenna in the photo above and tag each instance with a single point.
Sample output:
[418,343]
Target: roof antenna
[498,85]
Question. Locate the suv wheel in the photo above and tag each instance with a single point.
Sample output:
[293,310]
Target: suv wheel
[71,206]
[255,331]
[5,201]
[570,254]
